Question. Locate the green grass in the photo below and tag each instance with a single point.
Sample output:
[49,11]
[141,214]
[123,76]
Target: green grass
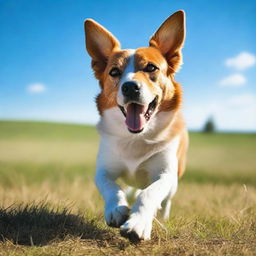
[50,206]
[42,131]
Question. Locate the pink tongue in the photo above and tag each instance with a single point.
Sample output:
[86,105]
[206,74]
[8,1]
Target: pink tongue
[135,119]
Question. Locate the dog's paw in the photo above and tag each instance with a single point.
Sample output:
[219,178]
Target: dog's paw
[137,227]
[117,215]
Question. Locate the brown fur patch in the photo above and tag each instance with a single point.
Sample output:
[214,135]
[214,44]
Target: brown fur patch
[100,43]
[109,85]
[169,96]
[172,99]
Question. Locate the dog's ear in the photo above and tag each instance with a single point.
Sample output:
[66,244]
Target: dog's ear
[100,43]
[169,39]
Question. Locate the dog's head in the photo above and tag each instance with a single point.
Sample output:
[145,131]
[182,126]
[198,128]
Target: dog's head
[140,82]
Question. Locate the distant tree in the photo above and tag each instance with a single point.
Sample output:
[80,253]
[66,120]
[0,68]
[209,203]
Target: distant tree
[209,126]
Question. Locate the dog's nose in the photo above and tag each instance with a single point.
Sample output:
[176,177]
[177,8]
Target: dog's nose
[131,90]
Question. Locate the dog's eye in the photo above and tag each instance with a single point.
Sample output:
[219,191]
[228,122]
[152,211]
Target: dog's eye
[150,68]
[115,72]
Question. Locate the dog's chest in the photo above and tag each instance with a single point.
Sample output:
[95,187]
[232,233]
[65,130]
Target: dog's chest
[134,152]
[134,155]
[128,158]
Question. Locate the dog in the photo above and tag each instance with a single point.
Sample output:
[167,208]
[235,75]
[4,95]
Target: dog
[144,139]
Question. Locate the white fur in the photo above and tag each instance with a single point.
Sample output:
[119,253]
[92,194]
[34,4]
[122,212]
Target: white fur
[127,76]
[121,155]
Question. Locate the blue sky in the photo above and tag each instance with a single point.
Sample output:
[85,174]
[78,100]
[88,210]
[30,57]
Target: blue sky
[45,72]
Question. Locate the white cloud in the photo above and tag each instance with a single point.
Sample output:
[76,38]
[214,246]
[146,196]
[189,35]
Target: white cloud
[236,113]
[36,88]
[235,80]
[242,61]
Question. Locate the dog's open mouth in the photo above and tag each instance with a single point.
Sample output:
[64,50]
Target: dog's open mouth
[138,115]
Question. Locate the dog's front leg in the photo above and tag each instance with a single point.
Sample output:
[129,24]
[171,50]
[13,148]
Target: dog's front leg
[116,206]
[139,224]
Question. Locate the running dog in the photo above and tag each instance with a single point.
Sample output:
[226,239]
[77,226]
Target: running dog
[143,135]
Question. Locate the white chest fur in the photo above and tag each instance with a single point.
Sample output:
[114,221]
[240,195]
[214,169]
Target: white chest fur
[120,151]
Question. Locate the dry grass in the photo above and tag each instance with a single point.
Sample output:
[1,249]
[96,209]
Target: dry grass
[206,219]
[50,206]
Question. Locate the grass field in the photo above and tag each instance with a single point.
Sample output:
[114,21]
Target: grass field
[50,206]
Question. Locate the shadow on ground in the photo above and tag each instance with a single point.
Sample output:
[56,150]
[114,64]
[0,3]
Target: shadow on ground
[38,225]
